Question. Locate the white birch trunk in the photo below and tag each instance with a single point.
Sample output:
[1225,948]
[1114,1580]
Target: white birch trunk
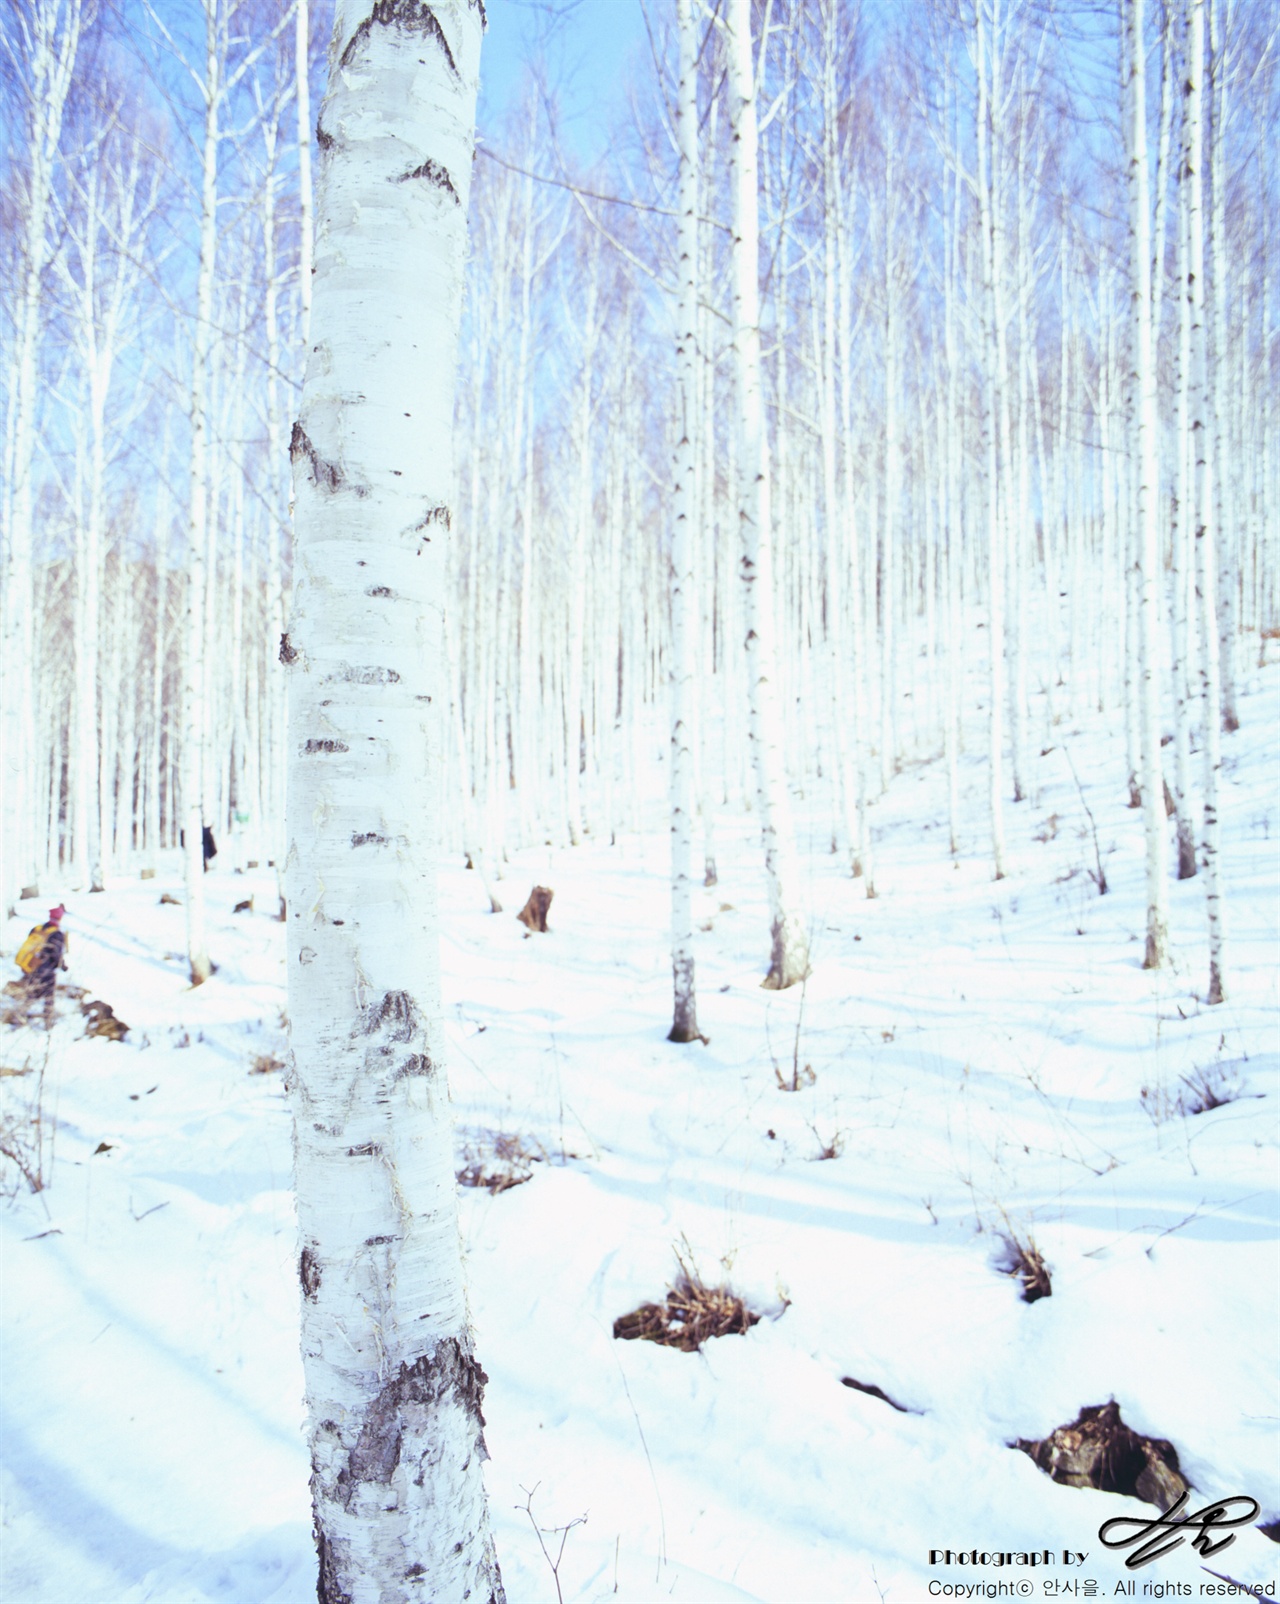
[1206,555]
[789,960]
[1146,433]
[992,381]
[393,1386]
[1225,537]
[684,602]
[194,690]
[1183,536]
[302,87]
[49,44]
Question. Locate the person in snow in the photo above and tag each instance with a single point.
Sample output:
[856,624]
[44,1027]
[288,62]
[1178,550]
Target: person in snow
[40,957]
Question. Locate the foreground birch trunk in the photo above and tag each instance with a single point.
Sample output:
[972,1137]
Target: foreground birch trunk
[393,1386]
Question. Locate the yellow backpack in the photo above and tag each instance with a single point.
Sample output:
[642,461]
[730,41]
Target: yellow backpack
[30,950]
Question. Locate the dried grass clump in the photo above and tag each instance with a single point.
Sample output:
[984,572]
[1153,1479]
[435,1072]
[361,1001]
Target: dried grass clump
[498,1162]
[266,1064]
[1212,1086]
[690,1313]
[1022,1259]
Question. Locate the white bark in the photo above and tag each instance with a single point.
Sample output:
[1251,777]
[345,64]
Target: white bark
[393,1387]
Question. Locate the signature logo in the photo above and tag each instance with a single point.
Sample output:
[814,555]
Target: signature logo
[1167,1532]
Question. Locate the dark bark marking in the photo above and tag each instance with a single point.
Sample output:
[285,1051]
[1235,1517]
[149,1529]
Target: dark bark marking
[329,1590]
[362,675]
[377,1241]
[324,138]
[412,16]
[380,590]
[435,175]
[435,515]
[396,1014]
[415,1064]
[309,1273]
[366,1150]
[325,746]
[369,839]
[413,1396]
[288,652]
[324,475]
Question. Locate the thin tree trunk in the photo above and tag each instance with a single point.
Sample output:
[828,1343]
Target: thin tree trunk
[1206,556]
[1148,490]
[789,960]
[684,602]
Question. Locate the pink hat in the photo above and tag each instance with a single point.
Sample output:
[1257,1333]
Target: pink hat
[56,913]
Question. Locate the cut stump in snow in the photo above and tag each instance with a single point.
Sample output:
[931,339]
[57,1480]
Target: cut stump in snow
[689,1315]
[102,1021]
[1098,1450]
[534,912]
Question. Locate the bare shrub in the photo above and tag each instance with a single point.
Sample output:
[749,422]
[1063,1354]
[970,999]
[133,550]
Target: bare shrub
[690,1314]
[25,1143]
[498,1161]
[1210,1087]
[1022,1259]
[831,1147]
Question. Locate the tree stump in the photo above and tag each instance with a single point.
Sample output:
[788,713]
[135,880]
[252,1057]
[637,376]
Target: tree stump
[534,912]
[1098,1450]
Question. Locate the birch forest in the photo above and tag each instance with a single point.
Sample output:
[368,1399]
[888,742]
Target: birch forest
[855,519]
[881,369]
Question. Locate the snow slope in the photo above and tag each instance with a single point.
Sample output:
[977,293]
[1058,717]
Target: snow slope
[979,1054]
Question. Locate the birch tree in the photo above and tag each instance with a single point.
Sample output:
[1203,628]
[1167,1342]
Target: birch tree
[789,946]
[41,42]
[1205,536]
[393,1385]
[684,609]
[1146,429]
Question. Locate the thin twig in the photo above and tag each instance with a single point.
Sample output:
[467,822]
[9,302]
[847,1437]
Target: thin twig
[1100,878]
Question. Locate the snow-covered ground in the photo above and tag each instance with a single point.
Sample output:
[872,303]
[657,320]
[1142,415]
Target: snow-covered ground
[979,1057]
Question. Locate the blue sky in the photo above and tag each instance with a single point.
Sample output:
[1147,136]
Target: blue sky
[589,45]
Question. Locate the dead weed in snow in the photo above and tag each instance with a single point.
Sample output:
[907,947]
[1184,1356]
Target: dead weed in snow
[690,1313]
[498,1161]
